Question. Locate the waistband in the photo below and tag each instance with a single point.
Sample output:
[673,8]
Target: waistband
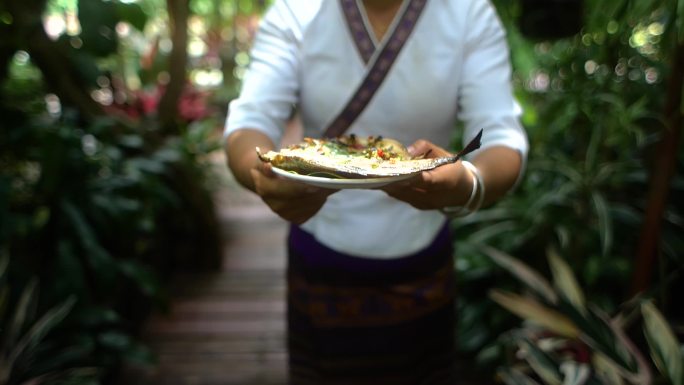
[319,263]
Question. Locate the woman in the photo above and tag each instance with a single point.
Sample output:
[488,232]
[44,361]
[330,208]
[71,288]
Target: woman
[370,289]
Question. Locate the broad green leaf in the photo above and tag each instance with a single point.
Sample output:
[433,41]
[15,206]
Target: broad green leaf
[486,233]
[523,272]
[131,13]
[605,222]
[115,340]
[663,344]
[98,20]
[601,335]
[548,198]
[146,278]
[563,235]
[674,218]
[541,363]
[564,280]
[563,168]
[575,373]
[606,369]
[532,310]
[621,350]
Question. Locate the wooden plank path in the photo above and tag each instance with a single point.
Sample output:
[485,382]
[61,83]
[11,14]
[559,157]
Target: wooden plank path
[226,327]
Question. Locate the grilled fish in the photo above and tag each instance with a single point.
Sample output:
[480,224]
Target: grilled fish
[355,158]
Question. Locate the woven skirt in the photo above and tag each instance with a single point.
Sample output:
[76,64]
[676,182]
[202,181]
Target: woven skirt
[364,321]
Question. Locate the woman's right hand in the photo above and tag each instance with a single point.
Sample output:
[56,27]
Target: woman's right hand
[293,201]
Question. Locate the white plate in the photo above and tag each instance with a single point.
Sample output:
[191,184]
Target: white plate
[336,183]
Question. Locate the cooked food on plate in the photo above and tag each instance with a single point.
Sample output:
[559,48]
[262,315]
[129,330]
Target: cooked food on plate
[353,157]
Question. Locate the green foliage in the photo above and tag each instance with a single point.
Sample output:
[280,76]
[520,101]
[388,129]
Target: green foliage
[597,352]
[98,22]
[98,208]
[665,350]
[78,196]
[25,335]
[593,108]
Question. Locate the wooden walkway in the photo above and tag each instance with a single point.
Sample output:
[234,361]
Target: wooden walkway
[226,327]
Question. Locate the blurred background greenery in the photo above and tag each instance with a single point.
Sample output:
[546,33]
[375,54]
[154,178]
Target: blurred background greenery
[110,111]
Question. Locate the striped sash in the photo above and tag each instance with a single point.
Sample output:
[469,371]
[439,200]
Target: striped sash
[379,62]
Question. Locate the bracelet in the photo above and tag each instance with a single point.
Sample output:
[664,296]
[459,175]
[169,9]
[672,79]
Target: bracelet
[458,211]
[478,184]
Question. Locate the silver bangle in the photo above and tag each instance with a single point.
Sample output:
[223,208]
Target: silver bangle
[478,184]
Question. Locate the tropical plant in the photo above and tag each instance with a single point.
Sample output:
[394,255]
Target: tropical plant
[568,340]
[95,204]
[25,341]
[594,109]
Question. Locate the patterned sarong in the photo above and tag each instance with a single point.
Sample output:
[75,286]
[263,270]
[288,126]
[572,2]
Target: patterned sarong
[363,321]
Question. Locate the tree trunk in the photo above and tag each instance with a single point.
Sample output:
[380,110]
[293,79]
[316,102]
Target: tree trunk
[179,12]
[662,173]
[26,32]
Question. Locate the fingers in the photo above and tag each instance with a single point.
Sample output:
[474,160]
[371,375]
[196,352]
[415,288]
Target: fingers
[441,178]
[427,149]
[429,190]
[417,198]
[268,184]
[302,208]
[413,191]
[293,201]
[299,210]
[265,169]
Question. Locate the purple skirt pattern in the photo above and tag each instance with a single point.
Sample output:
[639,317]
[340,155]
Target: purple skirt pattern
[358,320]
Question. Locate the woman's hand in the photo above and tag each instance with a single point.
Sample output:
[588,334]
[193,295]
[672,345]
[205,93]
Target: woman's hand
[293,201]
[448,185]
[452,184]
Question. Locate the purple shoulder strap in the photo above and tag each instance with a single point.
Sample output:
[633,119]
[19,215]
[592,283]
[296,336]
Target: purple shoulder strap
[378,68]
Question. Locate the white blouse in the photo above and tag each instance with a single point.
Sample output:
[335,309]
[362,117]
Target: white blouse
[454,64]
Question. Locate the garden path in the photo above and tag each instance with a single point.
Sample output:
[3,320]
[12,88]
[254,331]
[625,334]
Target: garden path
[226,327]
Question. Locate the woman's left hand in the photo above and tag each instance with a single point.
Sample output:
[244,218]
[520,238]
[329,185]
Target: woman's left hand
[448,185]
